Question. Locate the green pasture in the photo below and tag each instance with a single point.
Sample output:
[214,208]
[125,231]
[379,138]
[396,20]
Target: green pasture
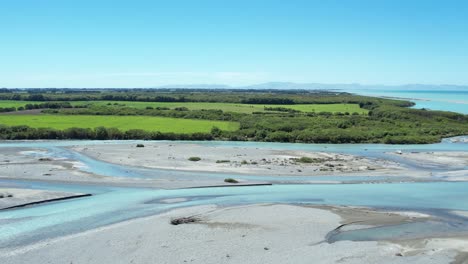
[226,107]
[231,107]
[13,103]
[124,123]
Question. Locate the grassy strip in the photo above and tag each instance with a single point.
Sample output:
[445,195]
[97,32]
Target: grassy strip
[231,107]
[13,103]
[124,123]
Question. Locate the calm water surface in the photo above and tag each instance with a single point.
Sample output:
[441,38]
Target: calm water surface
[447,100]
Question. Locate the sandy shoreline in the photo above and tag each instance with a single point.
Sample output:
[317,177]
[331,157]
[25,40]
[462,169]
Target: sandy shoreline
[261,233]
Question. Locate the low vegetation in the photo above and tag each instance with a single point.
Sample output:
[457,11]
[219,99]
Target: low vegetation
[249,115]
[194,158]
[231,180]
[305,160]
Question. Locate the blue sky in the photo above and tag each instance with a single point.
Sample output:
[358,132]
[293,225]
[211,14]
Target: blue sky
[138,43]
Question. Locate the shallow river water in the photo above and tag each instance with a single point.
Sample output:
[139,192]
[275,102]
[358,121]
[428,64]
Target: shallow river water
[115,204]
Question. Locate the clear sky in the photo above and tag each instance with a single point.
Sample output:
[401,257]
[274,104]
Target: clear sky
[146,43]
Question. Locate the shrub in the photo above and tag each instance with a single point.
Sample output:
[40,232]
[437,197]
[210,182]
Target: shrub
[223,161]
[183,108]
[231,180]
[140,146]
[305,160]
[194,158]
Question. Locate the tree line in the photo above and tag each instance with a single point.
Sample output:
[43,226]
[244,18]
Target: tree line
[277,97]
[24,132]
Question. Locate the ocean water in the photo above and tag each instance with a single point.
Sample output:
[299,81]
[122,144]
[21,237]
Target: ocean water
[447,100]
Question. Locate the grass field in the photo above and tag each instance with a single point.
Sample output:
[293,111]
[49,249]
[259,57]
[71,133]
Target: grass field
[239,108]
[13,103]
[124,123]
[226,107]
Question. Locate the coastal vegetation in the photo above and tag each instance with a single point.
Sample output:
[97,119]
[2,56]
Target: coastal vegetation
[236,115]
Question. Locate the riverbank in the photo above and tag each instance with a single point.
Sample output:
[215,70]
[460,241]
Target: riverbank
[260,233]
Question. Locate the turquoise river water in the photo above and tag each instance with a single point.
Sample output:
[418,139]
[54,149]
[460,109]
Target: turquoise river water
[115,204]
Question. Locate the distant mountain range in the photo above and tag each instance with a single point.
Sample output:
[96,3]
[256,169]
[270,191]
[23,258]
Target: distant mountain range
[319,86]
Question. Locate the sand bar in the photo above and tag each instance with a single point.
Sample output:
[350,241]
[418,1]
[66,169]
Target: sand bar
[242,234]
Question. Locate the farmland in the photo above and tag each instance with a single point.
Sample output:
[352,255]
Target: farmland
[254,115]
[13,103]
[123,123]
[226,107]
[231,107]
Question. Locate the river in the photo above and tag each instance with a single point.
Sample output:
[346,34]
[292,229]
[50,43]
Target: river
[115,204]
